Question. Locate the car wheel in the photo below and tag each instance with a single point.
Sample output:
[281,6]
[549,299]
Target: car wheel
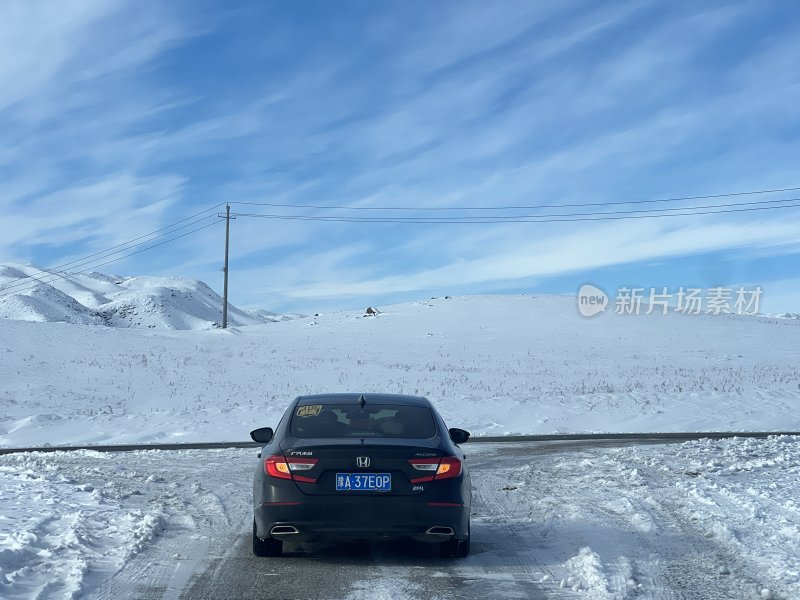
[456,548]
[268,547]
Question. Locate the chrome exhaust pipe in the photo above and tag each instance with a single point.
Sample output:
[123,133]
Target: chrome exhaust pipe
[283,530]
[440,531]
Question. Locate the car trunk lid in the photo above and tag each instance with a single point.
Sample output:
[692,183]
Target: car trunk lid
[334,457]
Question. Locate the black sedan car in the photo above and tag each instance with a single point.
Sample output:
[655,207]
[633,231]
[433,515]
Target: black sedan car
[361,467]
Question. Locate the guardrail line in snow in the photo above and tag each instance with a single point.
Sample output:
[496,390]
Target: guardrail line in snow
[670,437]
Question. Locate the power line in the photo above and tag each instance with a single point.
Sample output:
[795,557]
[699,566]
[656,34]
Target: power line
[121,247]
[29,285]
[156,245]
[146,235]
[522,219]
[522,207]
[124,248]
[52,272]
[8,292]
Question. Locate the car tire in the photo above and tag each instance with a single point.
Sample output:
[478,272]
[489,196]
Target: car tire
[456,548]
[268,547]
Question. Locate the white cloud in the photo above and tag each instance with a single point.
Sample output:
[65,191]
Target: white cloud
[68,94]
[477,105]
[91,212]
[37,39]
[584,248]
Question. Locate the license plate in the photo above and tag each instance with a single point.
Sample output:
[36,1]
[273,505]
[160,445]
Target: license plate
[363,482]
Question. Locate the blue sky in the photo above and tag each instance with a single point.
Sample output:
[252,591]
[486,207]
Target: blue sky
[119,118]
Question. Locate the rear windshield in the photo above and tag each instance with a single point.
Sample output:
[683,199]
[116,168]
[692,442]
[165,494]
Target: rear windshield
[376,420]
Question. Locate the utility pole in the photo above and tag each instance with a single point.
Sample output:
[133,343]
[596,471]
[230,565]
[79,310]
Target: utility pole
[225,268]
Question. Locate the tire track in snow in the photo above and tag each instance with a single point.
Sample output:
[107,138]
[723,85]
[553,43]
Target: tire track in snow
[536,506]
[700,567]
[594,497]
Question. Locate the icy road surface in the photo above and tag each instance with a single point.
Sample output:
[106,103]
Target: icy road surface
[705,520]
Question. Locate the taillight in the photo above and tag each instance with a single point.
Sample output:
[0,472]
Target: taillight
[276,466]
[424,464]
[283,468]
[439,468]
[449,467]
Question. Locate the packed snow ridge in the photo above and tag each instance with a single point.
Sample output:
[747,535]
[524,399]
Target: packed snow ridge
[28,293]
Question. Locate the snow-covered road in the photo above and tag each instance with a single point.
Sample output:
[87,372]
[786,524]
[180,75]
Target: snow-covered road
[708,519]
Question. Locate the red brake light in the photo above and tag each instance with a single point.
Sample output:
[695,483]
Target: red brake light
[439,468]
[282,468]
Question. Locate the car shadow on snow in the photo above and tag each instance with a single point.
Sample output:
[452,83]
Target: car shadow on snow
[394,552]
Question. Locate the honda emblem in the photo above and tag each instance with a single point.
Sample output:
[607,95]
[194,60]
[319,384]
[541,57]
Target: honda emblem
[362,461]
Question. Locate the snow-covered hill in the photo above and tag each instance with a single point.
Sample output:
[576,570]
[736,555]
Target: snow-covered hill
[28,293]
[492,364]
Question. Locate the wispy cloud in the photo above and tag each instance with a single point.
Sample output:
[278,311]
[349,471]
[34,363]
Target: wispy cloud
[121,116]
[594,247]
[70,95]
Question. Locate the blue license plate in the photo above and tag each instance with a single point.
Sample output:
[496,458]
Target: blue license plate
[363,482]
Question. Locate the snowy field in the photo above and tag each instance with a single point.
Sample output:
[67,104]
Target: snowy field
[700,520]
[492,364]
[139,360]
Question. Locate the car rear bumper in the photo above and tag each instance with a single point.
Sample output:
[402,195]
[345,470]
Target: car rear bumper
[363,518]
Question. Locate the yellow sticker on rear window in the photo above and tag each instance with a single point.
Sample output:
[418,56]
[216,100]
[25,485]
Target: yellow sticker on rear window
[312,410]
